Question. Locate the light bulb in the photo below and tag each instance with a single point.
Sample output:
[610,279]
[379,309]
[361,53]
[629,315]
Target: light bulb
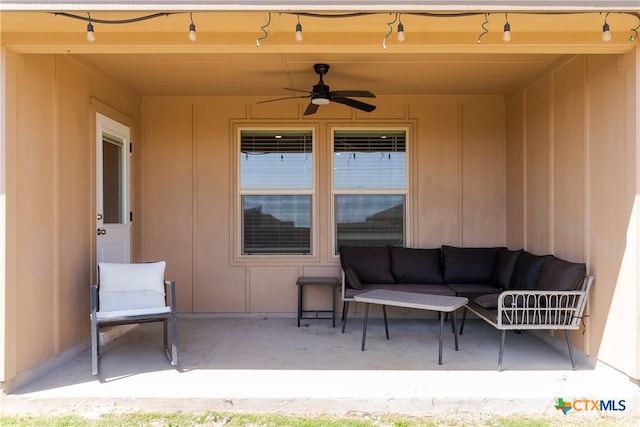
[506,36]
[299,32]
[401,32]
[606,32]
[91,36]
[192,32]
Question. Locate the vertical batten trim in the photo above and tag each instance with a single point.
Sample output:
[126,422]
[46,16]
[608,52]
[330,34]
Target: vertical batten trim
[194,207]
[55,250]
[551,132]
[525,240]
[460,174]
[587,188]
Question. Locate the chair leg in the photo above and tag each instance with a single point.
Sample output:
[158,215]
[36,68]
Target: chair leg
[172,354]
[501,349]
[568,338]
[174,341]
[95,347]
[345,314]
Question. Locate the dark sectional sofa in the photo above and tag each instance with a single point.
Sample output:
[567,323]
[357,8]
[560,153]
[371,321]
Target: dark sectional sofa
[494,279]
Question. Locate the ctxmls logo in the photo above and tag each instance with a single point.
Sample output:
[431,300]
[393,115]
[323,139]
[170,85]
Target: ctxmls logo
[589,405]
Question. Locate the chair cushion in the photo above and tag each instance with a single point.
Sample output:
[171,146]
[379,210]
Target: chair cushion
[103,316]
[527,271]
[131,286]
[353,281]
[505,265]
[417,266]
[371,264]
[468,265]
[561,275]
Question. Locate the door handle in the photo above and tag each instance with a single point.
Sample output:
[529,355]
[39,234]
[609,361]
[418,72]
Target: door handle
[101,231]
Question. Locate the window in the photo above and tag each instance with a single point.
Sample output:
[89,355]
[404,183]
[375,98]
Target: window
[276,191]
[369,187]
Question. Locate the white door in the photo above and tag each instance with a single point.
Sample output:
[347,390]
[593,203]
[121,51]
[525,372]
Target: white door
[113,222]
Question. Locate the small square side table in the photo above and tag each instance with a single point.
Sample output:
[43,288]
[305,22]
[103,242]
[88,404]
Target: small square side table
[303,281]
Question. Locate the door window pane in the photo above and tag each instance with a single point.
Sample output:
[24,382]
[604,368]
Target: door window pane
[112,197]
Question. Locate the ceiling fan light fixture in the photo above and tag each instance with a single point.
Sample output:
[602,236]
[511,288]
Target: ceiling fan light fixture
[320,101]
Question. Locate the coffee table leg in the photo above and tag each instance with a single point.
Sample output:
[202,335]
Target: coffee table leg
[441,332]
[364,325]
[455,330]
[384,313]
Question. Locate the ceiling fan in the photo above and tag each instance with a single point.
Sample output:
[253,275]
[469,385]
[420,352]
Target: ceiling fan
[322,95]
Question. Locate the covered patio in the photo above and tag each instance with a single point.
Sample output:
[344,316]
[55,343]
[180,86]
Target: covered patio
[267,364]
[532,143]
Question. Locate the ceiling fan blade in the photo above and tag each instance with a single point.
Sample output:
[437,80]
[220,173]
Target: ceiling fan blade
[356,93]
[296,90]
[282,99]
[355,104]
[311,109]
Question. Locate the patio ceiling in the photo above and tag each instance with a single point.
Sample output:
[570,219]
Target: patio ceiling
[441,55]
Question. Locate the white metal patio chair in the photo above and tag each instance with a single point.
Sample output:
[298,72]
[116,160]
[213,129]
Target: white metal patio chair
[133,293]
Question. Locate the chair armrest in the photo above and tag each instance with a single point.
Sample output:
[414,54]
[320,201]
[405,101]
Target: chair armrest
[94,300]
[171,293]
[541,309]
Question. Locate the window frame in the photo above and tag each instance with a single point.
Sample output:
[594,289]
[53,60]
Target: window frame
[238,216]
[405,192]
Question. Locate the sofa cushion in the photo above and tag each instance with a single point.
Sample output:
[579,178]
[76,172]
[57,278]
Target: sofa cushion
[421,289]
[490,301]
[560,275]
[487,301]
[416,265]
[527,271]
[371,264]
[468,265]
[505,265]
[353,281]
[472,290]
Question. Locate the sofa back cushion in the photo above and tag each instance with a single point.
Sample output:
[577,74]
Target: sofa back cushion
[416,266]
[561,275]
[351,277]
[505,265]
[468,265]
[371,264]
[527,272]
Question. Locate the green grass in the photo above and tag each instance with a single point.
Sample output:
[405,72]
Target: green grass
[211,419]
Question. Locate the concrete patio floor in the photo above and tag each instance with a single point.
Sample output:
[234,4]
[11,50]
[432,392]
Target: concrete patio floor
[267,364]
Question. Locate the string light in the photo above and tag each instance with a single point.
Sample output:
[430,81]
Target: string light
[606,30]
[299,36]
[192,29]
[506,35]
[401,36]
[91,36]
